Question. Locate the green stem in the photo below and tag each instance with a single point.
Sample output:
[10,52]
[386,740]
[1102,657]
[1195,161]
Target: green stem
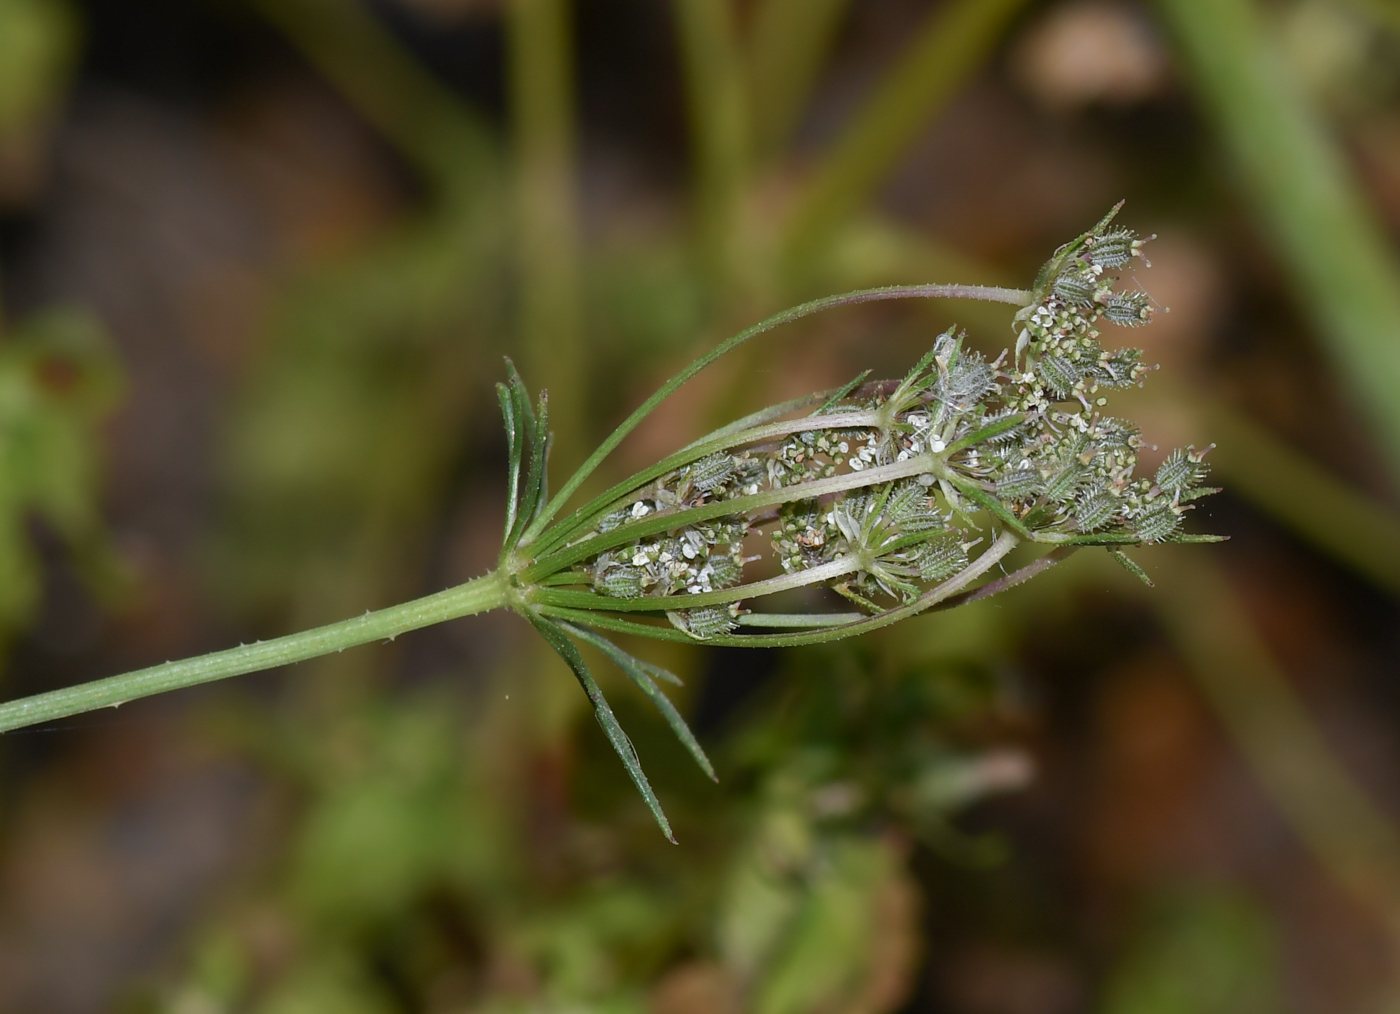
[797,621]
[673,519]
[627,491]
[949,590]
[840,567]
[539,35]
[989,293]
[480,595]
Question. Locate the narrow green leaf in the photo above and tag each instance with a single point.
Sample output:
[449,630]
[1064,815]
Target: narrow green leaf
[534,440]
[1094,539]
[640,673]
[843,392]
[915,371]
[1131,567]
[664,675]
[985,500]
[530,499]
[987,432]
[845,592]
[520,393]
[568,651]
[513,451]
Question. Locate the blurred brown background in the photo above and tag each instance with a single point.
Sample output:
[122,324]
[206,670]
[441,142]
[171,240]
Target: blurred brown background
[259,262]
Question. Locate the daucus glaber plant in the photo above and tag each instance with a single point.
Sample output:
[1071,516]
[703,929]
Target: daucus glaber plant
[890,498]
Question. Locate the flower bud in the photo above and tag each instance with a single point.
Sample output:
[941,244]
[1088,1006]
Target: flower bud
[1128,309]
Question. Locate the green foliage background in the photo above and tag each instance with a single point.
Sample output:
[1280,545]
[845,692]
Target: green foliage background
[440,828]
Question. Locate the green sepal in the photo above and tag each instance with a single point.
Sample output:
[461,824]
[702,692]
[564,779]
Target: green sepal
[641,673]
[1131,567]
[568,651]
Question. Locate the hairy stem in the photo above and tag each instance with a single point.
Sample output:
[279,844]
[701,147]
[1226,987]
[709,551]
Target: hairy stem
[477,596]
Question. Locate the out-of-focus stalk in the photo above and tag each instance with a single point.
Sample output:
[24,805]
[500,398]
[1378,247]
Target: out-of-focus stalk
[443,138]
[718,104]
[1305,195]
[951,46]
[1335,818]
[1309,500]
[785,48]
[547,251]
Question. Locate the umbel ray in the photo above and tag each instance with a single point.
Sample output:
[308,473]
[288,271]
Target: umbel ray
[886,498]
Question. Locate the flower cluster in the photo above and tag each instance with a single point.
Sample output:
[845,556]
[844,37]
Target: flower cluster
[877,494]
[880,492]
[894,496]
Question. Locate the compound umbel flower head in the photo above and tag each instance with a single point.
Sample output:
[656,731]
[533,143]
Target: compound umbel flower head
[889,497]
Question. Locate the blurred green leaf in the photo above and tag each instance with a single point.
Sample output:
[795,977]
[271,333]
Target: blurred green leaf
[58,381]
[1306,197]
[827,957]
[38,44]
[1203,952]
